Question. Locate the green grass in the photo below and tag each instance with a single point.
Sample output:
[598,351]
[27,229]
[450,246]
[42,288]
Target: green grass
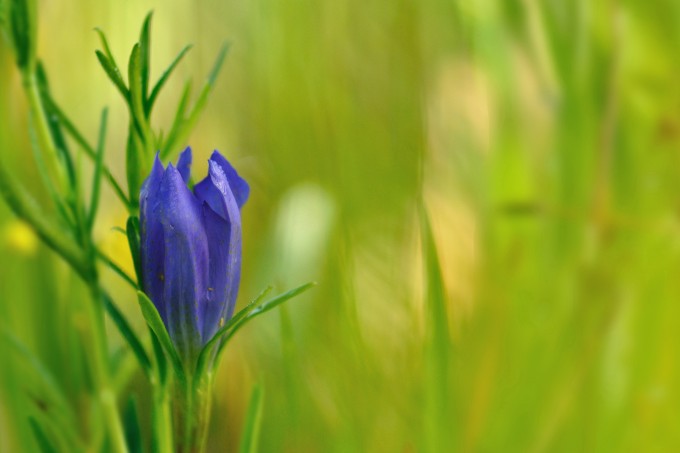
[543,140]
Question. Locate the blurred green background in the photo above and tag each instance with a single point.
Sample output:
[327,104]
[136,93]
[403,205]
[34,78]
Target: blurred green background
[542,137]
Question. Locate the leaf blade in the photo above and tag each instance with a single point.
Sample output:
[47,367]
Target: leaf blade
[155,323]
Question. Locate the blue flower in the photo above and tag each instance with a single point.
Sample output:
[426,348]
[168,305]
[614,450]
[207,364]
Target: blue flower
[191,248]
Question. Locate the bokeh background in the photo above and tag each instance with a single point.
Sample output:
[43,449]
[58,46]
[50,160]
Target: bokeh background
[543,140]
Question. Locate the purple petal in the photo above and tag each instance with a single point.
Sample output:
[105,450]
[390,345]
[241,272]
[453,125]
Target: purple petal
[184,164]
[239,186]
[152,247]
[223,225]
[186,262]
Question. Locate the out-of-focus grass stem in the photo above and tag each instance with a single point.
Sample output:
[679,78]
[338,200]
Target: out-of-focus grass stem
[43,135]
[97,352]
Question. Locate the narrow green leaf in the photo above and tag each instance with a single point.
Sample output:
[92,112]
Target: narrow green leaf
[98,168]
[217,66]
[127,333]
[117,269]
[155,323]
[105,45]
[207,350]
[161,361]
[41,437]
[23,29]
[145,57]
[177,122]
[187,125]
[63,433]
[63,209]
[54,123]
[251,429]
[437,346]
[49,384]
[70,128]
[260,310]
[133,432]
[164,77]
[207,88]
[133,235]
[136,99]
[114,74]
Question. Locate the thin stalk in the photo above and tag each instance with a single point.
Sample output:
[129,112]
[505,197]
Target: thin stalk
[98,358]
[192,414]
[162,418]
[43,134]
[97,350]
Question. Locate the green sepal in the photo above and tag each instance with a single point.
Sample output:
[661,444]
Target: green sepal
[262,309]
[222,336]
[207,350]
[155,323]
[251,428]
[133,236]
[161,361]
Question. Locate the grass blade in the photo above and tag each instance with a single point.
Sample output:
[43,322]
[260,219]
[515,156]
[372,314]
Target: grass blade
[41,437]
[133,433]
[251,430]
[437,347]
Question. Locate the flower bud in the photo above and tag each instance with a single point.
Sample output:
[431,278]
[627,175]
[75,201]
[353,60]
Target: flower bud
[191,248]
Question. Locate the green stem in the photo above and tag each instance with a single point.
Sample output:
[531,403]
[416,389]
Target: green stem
[162,419]
[98,357]
[192,414]
[43,134]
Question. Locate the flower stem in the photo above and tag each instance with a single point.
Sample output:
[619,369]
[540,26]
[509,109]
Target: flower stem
[45,142]
[162,419]
[192,414]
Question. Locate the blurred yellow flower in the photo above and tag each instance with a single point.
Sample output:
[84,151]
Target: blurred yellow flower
[18,236]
